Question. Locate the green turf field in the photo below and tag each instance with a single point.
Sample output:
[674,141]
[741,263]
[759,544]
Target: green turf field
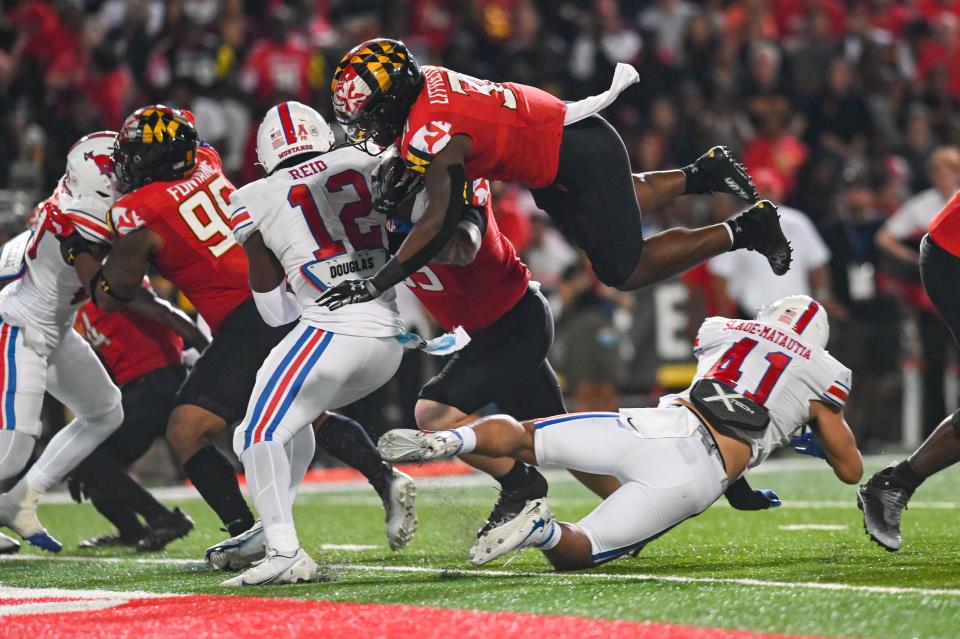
[697,574]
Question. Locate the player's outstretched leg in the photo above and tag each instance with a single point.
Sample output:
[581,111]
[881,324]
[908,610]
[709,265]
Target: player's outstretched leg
[494,436]
[348,441]
[716,171]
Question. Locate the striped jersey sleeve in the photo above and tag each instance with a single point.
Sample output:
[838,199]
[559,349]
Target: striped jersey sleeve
[838,388]
[241,220]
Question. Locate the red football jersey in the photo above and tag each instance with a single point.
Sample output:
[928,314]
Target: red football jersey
[129,345]
[477,294]
[516,129]
[199,254]
[945,227]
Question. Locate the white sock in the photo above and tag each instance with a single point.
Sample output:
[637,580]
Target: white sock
[15,451]
[268,477]
[469,437]
[551,537]
[300,451]
[71,446]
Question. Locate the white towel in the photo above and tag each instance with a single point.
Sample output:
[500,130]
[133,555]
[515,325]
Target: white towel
[446,344]
[623,76]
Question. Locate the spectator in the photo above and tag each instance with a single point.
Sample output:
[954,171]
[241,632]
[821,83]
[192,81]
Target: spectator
[899,238]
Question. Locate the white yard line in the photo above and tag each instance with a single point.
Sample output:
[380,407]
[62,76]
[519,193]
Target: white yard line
[581,576]
[793,527]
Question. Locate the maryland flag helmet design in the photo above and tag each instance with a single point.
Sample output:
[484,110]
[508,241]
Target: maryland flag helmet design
[373,88]
[155,144]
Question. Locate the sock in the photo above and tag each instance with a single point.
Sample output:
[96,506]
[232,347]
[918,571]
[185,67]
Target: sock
[346,440]
[551,537]
[744,231]
[517,477]
[300,451]
[216,480]
[71,446]
[103,475]
[126,521]
[268,477]
[697,180]
[15,451]
[469,437]
[906,476]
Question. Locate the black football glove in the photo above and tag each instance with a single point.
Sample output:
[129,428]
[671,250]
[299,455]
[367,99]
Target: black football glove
[349,292]
[77,489]
[393,183]
[742,497]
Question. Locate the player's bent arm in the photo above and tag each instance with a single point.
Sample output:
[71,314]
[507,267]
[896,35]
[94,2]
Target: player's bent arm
[443,185]
[148,305]
[462,249]
[838,442]
[276,305]
[116,283]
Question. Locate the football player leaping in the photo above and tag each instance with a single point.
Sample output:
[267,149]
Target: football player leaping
[758,384]
[309,223]
[451,127]
[40,349]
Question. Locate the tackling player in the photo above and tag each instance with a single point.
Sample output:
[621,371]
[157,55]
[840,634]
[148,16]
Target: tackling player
[885,495]
[758,384]
[145,360]
[307,224]
[174,216]
[451,128]
[41,351]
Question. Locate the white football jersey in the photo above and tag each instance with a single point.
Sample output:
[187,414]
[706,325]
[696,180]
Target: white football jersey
[47,294]
[777,368]
[317,219]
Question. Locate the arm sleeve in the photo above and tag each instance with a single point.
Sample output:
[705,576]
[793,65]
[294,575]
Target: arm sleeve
[277,307]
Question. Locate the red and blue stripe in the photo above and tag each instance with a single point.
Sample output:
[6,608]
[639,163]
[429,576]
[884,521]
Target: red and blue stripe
[8,373]
[286,123]
[569,417]
[806,318]
[284,385]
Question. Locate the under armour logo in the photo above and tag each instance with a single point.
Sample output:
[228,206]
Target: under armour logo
[724,397]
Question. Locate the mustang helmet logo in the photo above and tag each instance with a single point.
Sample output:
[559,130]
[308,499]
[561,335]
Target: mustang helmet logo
[104,162]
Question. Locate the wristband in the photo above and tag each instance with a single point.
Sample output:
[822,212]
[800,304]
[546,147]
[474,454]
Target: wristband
[99,281]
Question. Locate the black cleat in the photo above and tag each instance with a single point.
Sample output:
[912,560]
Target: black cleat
[717,171]
[512,502]
[883,502]
[113,540]
[177,525]
[765,235]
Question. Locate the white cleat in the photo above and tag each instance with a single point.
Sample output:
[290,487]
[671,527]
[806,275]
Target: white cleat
[18,511]
[401,508]
[277,568]
[404,444]
[8,545]
[533,526]
[237,552]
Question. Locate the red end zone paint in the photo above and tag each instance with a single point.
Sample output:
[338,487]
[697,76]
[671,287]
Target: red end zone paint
[197,616]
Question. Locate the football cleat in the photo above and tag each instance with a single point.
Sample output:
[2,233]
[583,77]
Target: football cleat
[8,545]
[405,444]
[18,511]
[718,171]
[112,540]
[239,551]
[883,503]
[512,502]
[178,524]
[533,526]
[770,240]
[399,502]
[277,568]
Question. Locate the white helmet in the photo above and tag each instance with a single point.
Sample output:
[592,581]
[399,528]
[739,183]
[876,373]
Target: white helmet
[289,129]
[802,315]
[87,188]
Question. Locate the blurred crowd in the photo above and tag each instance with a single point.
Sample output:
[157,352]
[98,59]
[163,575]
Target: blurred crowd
[845,111]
